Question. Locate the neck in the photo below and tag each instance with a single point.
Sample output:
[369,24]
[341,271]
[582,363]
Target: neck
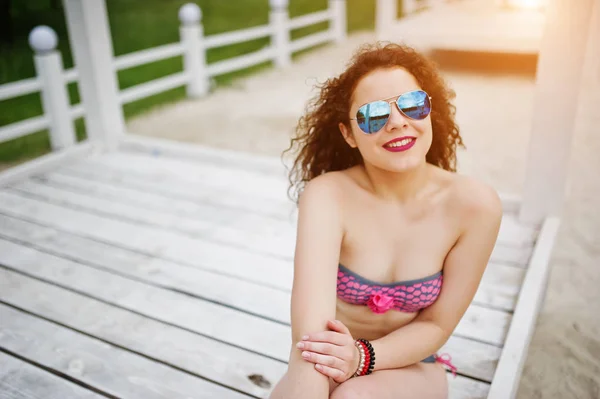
[403,187]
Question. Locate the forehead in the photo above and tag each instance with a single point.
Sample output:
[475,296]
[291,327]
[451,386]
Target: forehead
[383,83]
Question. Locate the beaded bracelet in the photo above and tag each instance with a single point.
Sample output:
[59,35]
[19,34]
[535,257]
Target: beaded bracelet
[367,358]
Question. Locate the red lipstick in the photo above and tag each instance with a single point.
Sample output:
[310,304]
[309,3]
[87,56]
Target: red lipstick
[408,143]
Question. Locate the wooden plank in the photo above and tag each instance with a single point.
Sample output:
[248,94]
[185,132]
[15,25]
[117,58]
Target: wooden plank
[517,256]
[19,379]
[183,194]
[105,367]
[248,201]
[171,307]
[185,209]
[510,367]
[214,360]
[44,163]
[256,193]
[257,228]
[171,169]
[151,241]
[194,152]
[177,171]
[250,297]
[197,354]
[239,229]
[466,388]
[499,288]
[259,335]
[488,325]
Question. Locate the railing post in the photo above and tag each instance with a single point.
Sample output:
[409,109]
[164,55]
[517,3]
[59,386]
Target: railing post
[385,16]
[91,43]
[191,32]
[557,90]
[339,24]
[55,99]
[278,19]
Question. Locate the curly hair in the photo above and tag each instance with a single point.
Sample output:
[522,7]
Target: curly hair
[320,147]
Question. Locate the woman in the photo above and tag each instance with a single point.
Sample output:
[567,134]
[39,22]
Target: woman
[391,243]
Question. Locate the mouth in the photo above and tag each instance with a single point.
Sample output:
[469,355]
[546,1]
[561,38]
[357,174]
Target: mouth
[400,144]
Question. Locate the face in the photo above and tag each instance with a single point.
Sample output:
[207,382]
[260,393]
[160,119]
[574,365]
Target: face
[402,143]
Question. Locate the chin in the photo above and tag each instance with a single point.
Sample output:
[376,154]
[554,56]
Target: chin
[402,165]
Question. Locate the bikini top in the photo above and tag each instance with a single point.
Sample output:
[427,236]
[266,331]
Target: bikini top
[404,296]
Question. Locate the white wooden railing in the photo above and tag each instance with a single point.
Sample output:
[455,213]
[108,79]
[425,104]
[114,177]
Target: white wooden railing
[51,79]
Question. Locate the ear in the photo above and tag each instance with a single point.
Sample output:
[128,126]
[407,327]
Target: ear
[348,136]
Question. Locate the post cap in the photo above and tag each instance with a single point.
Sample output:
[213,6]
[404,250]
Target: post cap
[42,39]
[190,14]
[278,4]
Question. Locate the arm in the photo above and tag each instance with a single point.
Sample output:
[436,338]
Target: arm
[313,302]
[463,269]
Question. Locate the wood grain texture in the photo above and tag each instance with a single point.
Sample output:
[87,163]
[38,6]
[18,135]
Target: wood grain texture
[499,288]
[21,380]
[189,262]
[100,365]
[148,240]
[510,367]
[258,192]
[260,335]
[486,325]
[212,359]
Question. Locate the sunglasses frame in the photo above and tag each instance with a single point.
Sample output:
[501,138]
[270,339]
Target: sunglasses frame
[394,100]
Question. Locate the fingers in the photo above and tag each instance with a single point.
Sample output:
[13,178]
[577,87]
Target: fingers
[338,326]
[324,360]
[337,375]
[322,348]
[332,337]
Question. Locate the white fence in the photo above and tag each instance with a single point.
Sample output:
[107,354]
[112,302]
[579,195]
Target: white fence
[51,79]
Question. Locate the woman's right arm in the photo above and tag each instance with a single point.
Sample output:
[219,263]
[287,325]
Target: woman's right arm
[318,243]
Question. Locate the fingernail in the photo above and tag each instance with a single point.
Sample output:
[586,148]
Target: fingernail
[304,338]
[299,345]
[305,354]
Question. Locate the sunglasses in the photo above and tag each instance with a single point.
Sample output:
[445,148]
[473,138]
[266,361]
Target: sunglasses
[373,116]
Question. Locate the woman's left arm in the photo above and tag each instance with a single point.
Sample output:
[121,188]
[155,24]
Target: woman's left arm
[464,265]
[463,268]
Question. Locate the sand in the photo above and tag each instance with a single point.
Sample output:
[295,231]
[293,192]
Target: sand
[258,114]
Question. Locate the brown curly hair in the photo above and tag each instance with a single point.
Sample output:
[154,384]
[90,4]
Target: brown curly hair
[319,145]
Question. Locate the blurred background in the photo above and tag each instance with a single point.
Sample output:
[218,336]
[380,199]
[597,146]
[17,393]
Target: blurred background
[136,25]
[255,110]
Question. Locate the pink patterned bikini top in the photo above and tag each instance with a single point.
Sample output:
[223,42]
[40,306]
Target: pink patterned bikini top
[404,296]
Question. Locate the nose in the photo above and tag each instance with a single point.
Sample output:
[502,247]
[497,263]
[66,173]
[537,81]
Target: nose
[397,119]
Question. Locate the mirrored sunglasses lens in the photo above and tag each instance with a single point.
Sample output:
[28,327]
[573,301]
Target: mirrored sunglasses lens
[372,117]
[415,105]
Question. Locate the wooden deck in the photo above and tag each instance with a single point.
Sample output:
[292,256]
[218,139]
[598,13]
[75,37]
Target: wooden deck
[471,25]
[166,274]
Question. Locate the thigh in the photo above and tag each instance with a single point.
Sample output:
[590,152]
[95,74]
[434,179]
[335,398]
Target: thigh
[421,380]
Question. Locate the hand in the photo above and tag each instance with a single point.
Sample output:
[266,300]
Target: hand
[333,352]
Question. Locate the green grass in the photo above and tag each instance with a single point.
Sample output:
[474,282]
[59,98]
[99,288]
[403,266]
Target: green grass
[136,25]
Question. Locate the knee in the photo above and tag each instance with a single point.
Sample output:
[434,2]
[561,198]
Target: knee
[349,391]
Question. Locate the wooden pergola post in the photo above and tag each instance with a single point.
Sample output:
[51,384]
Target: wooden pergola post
[558,82]
[91,43]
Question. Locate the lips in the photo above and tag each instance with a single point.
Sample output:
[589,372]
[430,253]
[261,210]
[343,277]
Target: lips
[400,144]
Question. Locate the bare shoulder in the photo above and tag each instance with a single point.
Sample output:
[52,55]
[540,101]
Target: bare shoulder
[471,197]
[326,189]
